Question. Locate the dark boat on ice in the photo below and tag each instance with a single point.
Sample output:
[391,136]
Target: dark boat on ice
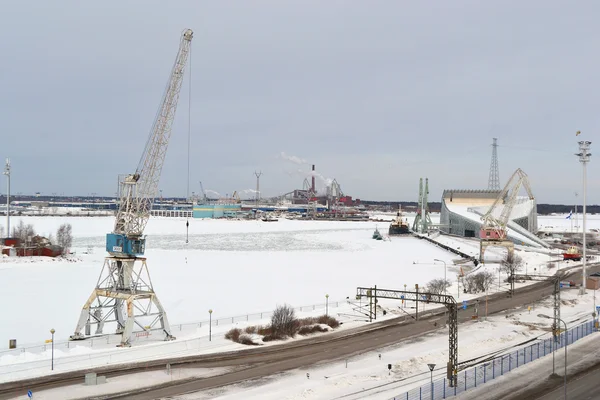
[399,226]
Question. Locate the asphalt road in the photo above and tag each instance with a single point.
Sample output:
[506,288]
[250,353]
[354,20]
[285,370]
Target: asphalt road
[260,362]
[584,387]
[338,349]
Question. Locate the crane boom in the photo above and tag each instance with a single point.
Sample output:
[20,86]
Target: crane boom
[495,228]
[138,190]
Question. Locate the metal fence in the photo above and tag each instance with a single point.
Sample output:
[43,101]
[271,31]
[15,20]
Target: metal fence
[480,374]
[109,338]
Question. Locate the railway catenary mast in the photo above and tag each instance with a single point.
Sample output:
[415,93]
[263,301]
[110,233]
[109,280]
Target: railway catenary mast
[124,292]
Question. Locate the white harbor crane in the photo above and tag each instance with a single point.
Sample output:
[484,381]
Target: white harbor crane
[124,292]
[494,229]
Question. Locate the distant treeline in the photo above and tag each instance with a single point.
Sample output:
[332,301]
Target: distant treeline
[543,209]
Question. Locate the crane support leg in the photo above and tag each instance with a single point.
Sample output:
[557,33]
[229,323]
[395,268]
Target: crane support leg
[124,295]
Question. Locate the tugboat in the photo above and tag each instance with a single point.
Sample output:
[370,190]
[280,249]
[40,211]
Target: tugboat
[572,254]
[377,235]
[399,226]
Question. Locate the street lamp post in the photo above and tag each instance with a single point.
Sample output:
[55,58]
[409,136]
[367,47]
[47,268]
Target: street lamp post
[326,305]
[566,343]
[584,158]
[445,292]
[210,325]
[431,367]
[7,173]
[52,332]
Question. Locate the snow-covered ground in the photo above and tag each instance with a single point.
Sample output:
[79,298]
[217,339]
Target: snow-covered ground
[233,267]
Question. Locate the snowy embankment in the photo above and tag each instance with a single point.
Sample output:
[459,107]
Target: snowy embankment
[232,267]
[366,376]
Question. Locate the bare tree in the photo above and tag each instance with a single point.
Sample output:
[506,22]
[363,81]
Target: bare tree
[479,282]
[283,321]
[511,264]
[438,286]
[483,280]
[23,232]
[64,238]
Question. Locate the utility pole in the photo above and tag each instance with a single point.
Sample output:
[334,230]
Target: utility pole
[7,173]
[258,174]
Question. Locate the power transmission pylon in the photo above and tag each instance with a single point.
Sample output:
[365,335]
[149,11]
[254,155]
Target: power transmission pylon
[258,174]
[494,179]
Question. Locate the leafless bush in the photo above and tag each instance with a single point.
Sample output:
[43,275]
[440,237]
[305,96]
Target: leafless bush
[307,321]
[233,334]
[438,286]
[272,337]
[328,320]
[251,329]
[264,330]
[308,329]
[511,264]
[23,232]
[64,238]
[283,321]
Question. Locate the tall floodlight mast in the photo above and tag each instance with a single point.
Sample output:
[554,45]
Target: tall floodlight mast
[124,292]
[494,178]
[584,157]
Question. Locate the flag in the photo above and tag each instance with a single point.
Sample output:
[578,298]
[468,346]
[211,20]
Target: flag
[570,214]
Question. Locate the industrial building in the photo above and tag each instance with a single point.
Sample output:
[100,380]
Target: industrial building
[462,210]
[216,210]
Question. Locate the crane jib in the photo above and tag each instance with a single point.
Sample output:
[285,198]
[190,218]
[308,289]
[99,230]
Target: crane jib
[138,191]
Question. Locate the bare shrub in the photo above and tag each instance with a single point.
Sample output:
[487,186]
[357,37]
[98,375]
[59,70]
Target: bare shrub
[438,286]
[23,232]
[264,330]
[251,329]
[511,264]
[283,321]
[328,320]
[272,337]
[307,321]
[308,329]
[247,340]
[233,334]
[64,237]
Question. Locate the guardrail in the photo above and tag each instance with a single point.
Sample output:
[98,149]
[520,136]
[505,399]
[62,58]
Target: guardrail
[480,374]
[111,338]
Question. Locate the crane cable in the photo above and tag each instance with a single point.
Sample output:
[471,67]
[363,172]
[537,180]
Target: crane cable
[187,222]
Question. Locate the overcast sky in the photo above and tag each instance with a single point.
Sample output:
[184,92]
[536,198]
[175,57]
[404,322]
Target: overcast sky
[375,93]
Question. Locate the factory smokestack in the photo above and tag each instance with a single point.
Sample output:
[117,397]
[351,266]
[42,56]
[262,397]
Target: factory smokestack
[313,179]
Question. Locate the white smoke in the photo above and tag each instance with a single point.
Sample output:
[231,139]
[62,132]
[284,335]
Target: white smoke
[249,193]
[207,191]
[294,159]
